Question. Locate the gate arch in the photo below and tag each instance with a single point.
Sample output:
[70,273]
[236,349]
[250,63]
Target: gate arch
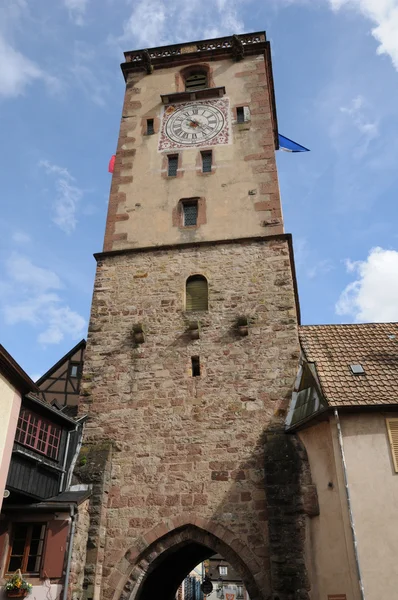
[157,564]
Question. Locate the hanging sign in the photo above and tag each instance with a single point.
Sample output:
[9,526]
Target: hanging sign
[207,586]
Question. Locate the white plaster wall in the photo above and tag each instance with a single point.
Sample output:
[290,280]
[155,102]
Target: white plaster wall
[330,552]
[10,404]
[373,486]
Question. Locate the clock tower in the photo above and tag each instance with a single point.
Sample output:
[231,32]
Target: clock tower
[192,347]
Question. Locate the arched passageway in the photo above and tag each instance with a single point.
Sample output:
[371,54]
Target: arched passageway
[159,570]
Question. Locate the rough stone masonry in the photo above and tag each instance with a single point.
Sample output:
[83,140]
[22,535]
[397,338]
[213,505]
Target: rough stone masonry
[188,453]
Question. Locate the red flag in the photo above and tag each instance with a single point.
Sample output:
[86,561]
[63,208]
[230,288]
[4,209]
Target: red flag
[112,164]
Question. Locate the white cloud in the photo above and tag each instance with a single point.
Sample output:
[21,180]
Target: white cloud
[20,237]
[31,294]
[157,22]
[21,270]
[67,196]
[77,9]
[320,267]
[357,110]
[373,296]
[384,15]
[17,71]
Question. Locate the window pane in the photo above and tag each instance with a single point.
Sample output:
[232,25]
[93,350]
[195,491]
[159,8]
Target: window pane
[149,127]
[33,564]
[20,531]
[240,113]
[38,433]
[172,166]
[73,370]
[190,214]
[206,162]
[14,564]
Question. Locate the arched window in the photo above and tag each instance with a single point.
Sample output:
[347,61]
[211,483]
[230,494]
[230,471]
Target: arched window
[197,293]
[196,81]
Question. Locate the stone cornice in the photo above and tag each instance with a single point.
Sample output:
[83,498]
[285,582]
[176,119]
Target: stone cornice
[235,46]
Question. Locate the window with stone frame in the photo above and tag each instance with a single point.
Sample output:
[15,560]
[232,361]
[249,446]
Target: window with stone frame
[196,294]
[190,212]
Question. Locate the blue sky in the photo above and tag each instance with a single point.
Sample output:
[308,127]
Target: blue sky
[335,67]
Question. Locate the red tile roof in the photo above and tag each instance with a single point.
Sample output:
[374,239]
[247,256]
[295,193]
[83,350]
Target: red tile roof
[333,348]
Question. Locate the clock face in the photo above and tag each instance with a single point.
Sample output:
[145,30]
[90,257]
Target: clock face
[193,124]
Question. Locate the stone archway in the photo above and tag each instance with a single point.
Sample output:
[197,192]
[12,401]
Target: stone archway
[158,570]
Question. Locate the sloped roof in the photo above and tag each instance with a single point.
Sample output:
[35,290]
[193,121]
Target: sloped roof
[333,348]
[14,373]
[47,374]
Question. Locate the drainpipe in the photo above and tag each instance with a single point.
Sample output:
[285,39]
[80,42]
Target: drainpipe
[64,463]
[70,548]
[347,491]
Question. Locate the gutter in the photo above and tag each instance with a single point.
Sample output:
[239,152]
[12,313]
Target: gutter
[70,549]
[352,524]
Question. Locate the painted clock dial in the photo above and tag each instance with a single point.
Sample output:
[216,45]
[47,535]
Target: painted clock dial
[193,124]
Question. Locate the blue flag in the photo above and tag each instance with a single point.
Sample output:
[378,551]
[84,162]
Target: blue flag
[290,146]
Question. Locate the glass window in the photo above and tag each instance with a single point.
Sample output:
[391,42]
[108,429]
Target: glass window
[74,370]
[207,161]
[223,570]
[26,548]
[240,114]
[190,213]
[172,165]
[150,129]
[38,433]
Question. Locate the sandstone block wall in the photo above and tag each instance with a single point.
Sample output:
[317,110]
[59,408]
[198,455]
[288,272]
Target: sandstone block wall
[186,445]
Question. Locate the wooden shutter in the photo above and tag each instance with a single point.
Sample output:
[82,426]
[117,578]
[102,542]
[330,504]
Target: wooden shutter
[196,293]
[392,428]
[197,81]
[3,543]
[55,549]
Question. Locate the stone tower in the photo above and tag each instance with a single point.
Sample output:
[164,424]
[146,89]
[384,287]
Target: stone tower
[192,348]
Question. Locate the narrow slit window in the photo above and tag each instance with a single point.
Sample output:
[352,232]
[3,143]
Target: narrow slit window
[240,114]
[195,366]
[150,129]
[190,213]
[172,165]
[207,161]
[197,293]
[196,81]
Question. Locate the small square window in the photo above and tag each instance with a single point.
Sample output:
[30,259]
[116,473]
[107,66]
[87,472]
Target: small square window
[172,165]
[207,159]
[150,129]
[240,114]
[223,570]
[74,370]
[190,213]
